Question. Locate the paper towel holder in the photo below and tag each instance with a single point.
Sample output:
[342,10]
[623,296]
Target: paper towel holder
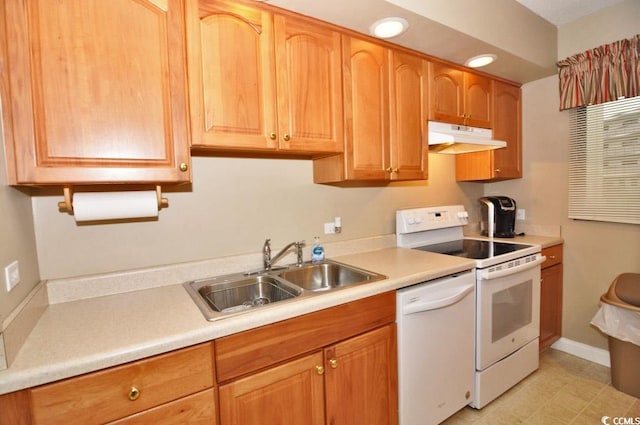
[67,204]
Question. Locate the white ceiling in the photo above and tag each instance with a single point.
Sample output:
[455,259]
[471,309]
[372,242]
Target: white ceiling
[560,12]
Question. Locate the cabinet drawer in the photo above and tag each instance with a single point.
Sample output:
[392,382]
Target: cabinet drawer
[256,349]
[106,395]
[196,409]
[553,254]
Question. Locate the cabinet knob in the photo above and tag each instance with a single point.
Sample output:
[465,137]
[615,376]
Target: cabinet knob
[388,170]
[396,170]
[134,394]
[286,137]
[498,170]
[333,363]
[320,370]
[272,136]
[183,166]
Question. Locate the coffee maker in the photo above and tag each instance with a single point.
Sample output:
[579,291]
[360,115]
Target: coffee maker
[498,216]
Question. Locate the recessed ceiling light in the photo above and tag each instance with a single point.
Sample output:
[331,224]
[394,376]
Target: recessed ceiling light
[480,60]
[389,27]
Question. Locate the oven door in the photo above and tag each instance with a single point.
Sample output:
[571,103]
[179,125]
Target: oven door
[508,313]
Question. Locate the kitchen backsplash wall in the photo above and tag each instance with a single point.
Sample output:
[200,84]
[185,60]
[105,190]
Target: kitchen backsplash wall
[233,205]
[17,240]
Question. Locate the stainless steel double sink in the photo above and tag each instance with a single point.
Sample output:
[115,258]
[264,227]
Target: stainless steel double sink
[220,296]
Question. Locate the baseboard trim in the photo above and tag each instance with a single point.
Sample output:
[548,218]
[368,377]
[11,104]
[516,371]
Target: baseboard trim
[587,352]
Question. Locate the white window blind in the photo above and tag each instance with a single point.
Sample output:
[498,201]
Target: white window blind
[604,162]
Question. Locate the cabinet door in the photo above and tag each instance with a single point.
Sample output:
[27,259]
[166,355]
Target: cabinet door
[309,86]
[97,91]
[504,163]
[231,76]
[366,102]
[290,394]
[507,125]
[477,100]
[362,381]
[409,114]
[446,93]
[550,305]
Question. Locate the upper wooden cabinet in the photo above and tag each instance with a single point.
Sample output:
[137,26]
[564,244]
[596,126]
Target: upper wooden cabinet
[94,91]
[409,112]
[263,82]
[459,97]
[385,100]
[504,163]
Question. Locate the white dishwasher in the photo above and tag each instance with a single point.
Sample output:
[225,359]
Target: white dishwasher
[436,354]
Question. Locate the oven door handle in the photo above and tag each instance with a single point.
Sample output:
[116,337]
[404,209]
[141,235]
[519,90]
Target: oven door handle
[486,274]
[438,303]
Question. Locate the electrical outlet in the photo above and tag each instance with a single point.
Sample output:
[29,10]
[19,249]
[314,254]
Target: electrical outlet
[520,214]
[12,275]
[329,228]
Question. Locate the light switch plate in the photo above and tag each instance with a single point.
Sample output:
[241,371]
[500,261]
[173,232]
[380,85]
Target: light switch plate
[520,214]
[12,275]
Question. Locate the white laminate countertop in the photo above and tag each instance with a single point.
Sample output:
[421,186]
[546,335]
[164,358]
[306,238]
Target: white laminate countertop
[76,337]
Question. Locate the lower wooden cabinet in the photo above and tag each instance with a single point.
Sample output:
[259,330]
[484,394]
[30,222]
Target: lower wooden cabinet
[361,385]
[551,297]
[289,394]
[354,380]
[332,366]
[168,389]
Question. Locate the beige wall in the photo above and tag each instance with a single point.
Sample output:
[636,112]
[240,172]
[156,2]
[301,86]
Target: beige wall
[595,252]
[611,24]
[17,241]
[233,206]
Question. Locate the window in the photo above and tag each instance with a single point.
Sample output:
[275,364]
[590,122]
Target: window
[604,162]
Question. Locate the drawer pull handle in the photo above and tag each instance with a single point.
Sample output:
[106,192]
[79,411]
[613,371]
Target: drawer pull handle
[552,257]
[134,394]
[333,363]
[320,370]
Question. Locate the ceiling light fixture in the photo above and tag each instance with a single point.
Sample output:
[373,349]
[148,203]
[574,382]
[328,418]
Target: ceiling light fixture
[388,27]
[480,60]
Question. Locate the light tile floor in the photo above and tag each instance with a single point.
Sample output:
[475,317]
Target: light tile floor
[564,390]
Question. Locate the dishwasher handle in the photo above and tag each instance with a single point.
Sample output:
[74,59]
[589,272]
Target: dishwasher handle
[418,307]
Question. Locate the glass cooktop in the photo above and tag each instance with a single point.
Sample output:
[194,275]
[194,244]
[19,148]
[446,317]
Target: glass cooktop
[473,248]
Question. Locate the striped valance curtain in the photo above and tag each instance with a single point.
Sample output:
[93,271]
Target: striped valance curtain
[600,75]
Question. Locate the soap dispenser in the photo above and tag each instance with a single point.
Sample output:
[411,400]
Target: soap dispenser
[317,252]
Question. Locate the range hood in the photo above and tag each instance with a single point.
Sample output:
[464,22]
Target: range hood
[454,139]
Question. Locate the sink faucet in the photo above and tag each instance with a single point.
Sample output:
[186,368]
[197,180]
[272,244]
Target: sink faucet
[269,261]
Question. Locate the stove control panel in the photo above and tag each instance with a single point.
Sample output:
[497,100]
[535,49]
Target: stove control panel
[430,218]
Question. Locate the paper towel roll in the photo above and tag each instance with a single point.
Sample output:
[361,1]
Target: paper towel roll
[92,206]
